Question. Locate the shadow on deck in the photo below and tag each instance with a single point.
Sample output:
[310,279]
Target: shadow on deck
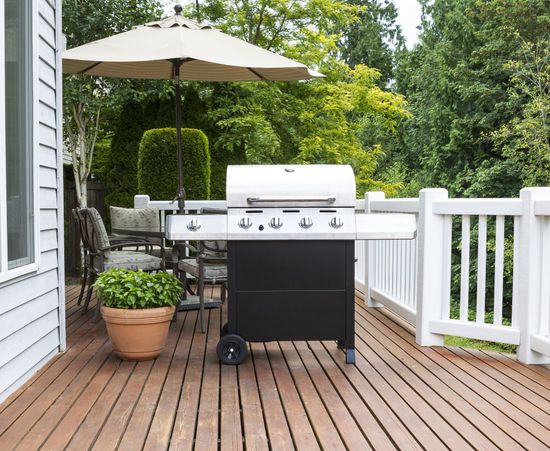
[288,395]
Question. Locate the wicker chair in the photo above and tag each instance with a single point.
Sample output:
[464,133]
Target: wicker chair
[100,254]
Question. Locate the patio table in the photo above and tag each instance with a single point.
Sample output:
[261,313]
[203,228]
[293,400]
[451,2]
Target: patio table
[187,302]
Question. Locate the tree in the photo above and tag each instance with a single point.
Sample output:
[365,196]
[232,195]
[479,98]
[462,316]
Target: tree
[477,87]
[461,87]
[374,39]
[525,139]
[309,122]
[86,97]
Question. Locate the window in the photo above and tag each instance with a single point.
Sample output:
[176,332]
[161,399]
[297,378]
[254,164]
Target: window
[18,187]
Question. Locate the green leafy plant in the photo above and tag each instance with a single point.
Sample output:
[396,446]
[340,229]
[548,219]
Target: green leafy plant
[124,289]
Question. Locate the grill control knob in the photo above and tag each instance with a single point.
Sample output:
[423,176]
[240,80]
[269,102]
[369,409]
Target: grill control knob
[245,223]
[275,223]
[336,223]
[194,225]
[305,222]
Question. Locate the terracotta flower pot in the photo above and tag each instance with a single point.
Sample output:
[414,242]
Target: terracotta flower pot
[138,334]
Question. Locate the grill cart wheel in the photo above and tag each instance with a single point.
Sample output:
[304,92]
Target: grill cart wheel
[231,349]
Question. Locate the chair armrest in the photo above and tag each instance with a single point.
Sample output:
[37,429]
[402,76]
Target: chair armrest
[147,244]
[211,259]
[122,238]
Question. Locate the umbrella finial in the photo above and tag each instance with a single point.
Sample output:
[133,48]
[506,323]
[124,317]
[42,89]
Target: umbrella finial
[178,9]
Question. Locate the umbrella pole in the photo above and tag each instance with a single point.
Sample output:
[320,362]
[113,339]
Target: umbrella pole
[181,190]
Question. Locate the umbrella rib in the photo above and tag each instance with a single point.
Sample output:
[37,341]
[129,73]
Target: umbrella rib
[83,72]
[256,73]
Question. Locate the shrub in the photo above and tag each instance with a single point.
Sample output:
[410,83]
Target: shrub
[100,161]
[158,164]
[121,178]
[124,289]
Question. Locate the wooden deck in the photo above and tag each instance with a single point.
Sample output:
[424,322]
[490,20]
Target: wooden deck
[287,396]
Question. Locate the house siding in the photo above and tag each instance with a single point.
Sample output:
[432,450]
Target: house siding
[32,307]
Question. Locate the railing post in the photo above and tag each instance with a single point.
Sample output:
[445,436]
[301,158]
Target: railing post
[430,280]
[141,201]
[369,251]
[530,277]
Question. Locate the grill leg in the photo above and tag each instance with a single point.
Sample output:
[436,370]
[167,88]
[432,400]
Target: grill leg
[350,355]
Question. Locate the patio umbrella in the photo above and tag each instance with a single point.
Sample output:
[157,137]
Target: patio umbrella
[180,49]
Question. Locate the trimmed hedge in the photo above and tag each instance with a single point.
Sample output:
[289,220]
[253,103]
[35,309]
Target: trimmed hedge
[158,164]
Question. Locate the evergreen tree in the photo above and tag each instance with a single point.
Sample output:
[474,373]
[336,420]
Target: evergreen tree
[374,39]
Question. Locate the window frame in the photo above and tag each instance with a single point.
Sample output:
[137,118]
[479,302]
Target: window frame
[5,273]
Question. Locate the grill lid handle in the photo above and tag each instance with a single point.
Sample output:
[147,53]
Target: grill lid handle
[256,200]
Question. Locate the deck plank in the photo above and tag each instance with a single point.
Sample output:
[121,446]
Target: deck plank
[478,429]
[298,421]
[183,430]
[206,436]
[231,437]
[470,388]
[138,427]
[286,395]
[278,431]
[255,433]
[320,419]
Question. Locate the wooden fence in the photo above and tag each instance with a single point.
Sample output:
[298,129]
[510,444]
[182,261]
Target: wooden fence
[96,199]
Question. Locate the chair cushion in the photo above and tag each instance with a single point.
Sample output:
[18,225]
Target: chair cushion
[211,271]
[133,261]
[219,248]
[128,218]
[101,237]
[122,218]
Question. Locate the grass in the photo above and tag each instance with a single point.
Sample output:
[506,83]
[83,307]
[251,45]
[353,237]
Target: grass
[479,344]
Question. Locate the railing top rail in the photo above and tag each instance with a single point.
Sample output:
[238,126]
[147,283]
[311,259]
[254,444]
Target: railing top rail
[403,205]
[488,207]
[542,207]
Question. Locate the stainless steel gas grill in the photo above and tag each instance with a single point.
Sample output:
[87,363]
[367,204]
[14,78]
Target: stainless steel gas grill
[290,232]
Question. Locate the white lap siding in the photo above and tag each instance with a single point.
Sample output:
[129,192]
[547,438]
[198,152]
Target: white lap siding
[32,316]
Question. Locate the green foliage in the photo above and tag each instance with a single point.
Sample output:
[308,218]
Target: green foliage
[468,88]
[124,289]
[121,180]
[312,122]
[100,163]
[86,99]
[477,88]
[158,167]
[374,39]
[525,138]
[479,344]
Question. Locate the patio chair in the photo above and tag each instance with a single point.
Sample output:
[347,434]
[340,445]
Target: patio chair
[117,240]
[209,266]
[101,254]
[131,218]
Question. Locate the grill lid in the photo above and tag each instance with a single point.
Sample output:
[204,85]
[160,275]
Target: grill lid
[312,185]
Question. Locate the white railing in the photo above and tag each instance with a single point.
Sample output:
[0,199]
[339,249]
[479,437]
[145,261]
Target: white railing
[414,279]
[387,268]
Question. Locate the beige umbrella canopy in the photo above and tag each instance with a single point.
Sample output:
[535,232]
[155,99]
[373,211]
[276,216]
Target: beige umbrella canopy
[181,49]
